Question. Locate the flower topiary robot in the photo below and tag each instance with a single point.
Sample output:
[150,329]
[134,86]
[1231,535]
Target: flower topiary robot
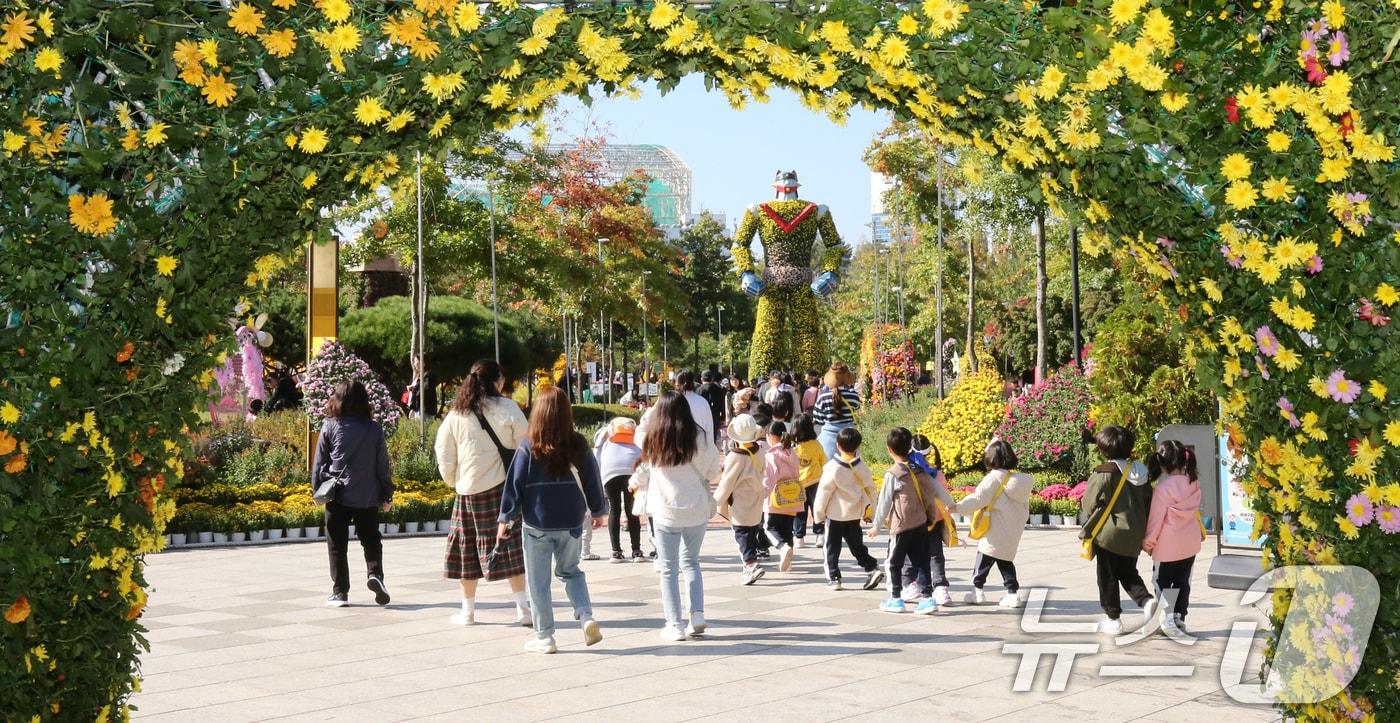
[787,334]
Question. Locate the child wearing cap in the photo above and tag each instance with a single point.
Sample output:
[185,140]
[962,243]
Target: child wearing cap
[740,493]
[845,491]
[616,451]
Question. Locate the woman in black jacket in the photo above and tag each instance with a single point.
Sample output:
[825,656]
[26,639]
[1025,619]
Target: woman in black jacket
[353,452]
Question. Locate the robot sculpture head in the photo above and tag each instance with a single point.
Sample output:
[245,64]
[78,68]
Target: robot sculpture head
[785,185]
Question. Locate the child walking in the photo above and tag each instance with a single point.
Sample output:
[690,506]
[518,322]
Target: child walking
[810,462]
[1005,494]
[1118,498]
[907,506]
[845,491]
[1174,529]
[617,455]
[924,457]
[784,491]
[740,493]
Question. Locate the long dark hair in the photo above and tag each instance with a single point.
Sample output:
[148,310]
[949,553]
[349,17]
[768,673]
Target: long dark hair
[553,440]
[350,399]
[923,446]
[671,433]
[804,428]
[479,385]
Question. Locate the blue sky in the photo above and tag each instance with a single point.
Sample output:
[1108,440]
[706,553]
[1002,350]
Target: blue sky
[733,154]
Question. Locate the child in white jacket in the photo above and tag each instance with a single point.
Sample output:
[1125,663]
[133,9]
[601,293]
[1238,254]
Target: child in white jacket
[845,491]
[1007,494]
[740,493]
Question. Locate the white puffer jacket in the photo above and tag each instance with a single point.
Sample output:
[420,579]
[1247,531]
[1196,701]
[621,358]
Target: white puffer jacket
[679,496]
[466,456]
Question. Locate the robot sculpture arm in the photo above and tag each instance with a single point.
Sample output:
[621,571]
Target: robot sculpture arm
[825,283]
[742,251]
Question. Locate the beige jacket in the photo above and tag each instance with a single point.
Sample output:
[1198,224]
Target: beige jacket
[742,479]
[844,491]
[1008,514]
[466,456]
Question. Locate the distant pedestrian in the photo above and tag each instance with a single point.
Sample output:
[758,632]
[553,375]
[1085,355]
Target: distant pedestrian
[810,461]
[352,450]
[837,405]
[618,455]
[474,445]
[553,487]
[678,462]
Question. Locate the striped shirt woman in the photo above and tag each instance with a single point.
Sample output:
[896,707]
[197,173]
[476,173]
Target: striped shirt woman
[836,406]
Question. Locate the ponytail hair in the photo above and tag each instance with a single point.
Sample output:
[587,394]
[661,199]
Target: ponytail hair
[479,385]
[786,438]
[1172,456]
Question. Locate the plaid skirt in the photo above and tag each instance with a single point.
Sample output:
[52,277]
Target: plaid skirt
[472,540]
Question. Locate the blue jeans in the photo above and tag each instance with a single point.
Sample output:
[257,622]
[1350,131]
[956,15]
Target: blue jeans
[827,437]
[561,548]
[677,549]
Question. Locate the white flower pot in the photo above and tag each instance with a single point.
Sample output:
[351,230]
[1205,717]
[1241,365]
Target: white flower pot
[237,537]
[311,533]
[444,525]
[410,527]
[220,538]
[275,534]
[390,528]
[177,539]
[204,537]
[291,533]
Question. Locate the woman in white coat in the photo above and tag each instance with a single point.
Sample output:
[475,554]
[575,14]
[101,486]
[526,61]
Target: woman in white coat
[471,459]
[1006,494]
[673,483]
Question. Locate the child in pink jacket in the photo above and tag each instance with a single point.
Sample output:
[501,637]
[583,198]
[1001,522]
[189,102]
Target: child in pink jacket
[1174,529]
[780,466]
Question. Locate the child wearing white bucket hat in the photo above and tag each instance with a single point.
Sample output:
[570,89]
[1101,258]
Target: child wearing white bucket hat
[740,493]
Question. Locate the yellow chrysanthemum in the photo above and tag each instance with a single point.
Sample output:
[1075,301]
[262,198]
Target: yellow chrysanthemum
[1174,101]
[313,141]
[1377,390]
[907,24]
[442,87]
[399,120]
[894,51]
[497,96]
[91,214]
[218,91]
[9,414]
[310,180]
[369,111]
[1386,295]
[1241,195]
[48,60]
[155,135]
[281,43]
[1277,189]
[1279,141]
[533,45]
[1392,433]
[166,265]
[18,30]
[662,15]
[336,11]
[1123,12]
[440,125]
[245,19]
[1236,167]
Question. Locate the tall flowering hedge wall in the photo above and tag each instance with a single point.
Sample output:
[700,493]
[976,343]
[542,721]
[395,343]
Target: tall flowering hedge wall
[158,155]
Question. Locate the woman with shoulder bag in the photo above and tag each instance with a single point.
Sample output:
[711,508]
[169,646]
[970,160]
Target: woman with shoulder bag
[673,479]
[475,446]
[553,486]
[351,476]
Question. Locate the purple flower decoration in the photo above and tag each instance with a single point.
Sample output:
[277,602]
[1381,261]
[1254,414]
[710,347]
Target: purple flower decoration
[1316,28]
[1268,343]
[1165,242]
[1342,603]
[1338,51]
[1285,408]
[1263,370]
[1235,260]
[1314,265]
[1389,519]
[1359,510]
[1342,389]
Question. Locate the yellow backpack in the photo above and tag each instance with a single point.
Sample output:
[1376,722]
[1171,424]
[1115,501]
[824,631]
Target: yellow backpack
[982,518]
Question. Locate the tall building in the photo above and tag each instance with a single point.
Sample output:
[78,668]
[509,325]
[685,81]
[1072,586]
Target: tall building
[879,220]
[668,196]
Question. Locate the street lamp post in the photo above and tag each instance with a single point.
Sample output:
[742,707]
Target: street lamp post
[646,361]
[1074,295]
[601,339]
[719,330]
[495,308]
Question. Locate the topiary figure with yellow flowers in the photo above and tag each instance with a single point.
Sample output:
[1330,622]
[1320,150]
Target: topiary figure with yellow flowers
[787,333]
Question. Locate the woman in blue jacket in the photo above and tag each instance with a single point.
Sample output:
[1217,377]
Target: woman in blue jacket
[352,451]
[553,485]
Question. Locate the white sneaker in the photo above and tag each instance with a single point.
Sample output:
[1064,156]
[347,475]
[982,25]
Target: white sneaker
[975,597]
[592,634]
[523,619]
[942,596]
[1009,600]
[589,556]
[672,634]
[464,618]
[819,540]
[786,559]
[799,543]
[1148,609]
[543,646]
[1109,626]
[752,574]
[697,624]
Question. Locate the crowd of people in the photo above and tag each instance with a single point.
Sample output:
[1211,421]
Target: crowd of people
[775,460]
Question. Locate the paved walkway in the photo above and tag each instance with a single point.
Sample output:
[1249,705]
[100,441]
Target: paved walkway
[242,634]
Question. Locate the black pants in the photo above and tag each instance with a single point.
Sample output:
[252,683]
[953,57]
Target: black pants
[846,532]
[1176,575]
[780,529]
[911,546]
[799,524]
[366,519]
[1113,571]
[937,563]
[749,538]
[620,504]
[982,567]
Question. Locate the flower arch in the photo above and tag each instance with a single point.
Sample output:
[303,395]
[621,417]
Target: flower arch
[159,154]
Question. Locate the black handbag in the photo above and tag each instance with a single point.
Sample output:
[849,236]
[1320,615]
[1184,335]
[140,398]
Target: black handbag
[327,491]
[507,454]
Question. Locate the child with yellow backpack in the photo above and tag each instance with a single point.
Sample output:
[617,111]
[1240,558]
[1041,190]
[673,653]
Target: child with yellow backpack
[845,492]
[908,503]
[786,495]
[999,508]
[740,493]
[924,458]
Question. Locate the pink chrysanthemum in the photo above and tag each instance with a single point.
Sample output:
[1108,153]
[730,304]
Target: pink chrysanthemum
[1342,389]
[1389,519]
[1359,510]
[1268,343]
